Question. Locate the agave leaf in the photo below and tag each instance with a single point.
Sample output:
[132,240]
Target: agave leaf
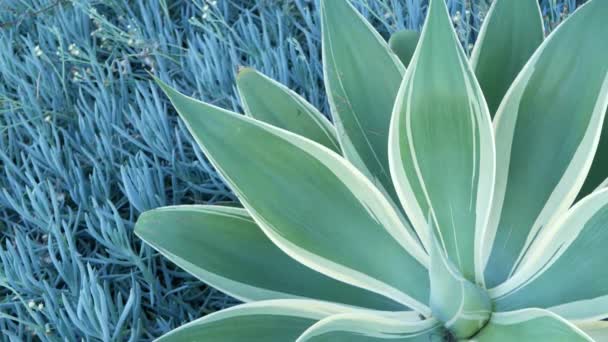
[441,146]
[403,44]
[510,34]
[311,202]
[565,269]
[597,330]
[547,130]
[226,249]
[530,325]
[365,327]
[265,321]
[362,78]
[272,102]
[459,304]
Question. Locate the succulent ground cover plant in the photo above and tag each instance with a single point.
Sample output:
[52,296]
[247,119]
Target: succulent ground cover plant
[445,204]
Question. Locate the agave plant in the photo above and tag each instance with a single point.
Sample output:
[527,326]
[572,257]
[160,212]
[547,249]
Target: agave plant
[445,204]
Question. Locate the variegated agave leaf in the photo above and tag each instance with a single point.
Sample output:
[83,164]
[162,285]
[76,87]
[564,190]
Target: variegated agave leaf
[333,241]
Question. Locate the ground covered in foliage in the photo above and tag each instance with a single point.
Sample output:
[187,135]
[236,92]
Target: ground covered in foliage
[87,143]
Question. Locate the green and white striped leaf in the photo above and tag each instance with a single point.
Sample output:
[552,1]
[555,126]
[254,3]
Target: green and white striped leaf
[311,203]
[364,327]
[510,34]
[273,103]
[441,147]
[403,43]
[547,131]
[598,330]
[565,270]
[530,325]
[226,249]
[362,77]
[462,306]
[265,321]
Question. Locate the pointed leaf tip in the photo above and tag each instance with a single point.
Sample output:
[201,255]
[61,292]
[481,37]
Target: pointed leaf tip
[226,249]
[545,149]
[270,101]
[286,166]
[441,121]
[362,77]
[511,32]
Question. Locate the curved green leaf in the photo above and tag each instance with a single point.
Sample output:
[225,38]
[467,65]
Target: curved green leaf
[362,77]
[272,102]
[266,321]
[403,43]
[530,325]
[547,130]
[441,147]
[311,203]
[459,304]
[226,249]
[565,270]
[510,34]
[363,327]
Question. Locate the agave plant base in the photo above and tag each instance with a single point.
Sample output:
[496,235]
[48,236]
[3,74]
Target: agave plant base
[443,204]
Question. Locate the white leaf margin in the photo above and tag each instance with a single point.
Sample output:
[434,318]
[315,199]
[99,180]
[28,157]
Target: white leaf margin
[380,326]
[573,178]
[485,185]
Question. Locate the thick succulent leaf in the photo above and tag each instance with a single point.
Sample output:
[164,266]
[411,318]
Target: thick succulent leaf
[311,203]
[362,78]
[597,330]
[403,43]
[441,146]
[565,270]
[265,321]
[547,130]
[364,327]
[462,306]
[226,249]
[272,102]
[510,34]
[530,325]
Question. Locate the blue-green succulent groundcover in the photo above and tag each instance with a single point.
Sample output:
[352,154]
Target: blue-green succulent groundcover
[87,143]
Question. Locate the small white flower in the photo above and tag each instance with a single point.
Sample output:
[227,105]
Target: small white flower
[31,304]
[38,51]
[73,49]
[456,18]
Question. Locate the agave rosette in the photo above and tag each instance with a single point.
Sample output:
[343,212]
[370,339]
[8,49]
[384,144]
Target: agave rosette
[455,199]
